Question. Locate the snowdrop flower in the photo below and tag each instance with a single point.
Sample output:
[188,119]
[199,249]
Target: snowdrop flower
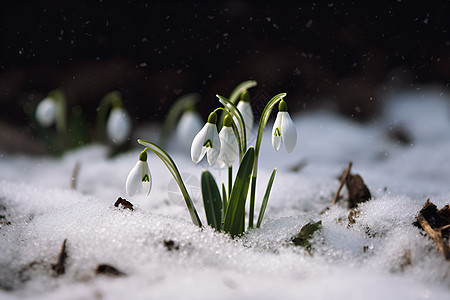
[228,144]
[206,142]
[118,126]
[284,129]
[140,174]
[190,123]
[46,112]
[246,111]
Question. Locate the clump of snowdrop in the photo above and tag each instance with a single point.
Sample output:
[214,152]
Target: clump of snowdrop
[226,211]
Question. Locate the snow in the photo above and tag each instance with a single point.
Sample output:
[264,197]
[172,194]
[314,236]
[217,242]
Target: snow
[381,256]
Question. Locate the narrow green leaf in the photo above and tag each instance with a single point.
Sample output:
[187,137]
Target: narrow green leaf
[234,216]
[170,164]
[211,200]
[266,198]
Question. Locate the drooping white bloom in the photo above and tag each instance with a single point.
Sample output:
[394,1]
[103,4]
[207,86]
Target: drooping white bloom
[46,112]
[139,175]
[229,147]
[284,130]
[206,142]
[246,111]
[190,123]
[118,126]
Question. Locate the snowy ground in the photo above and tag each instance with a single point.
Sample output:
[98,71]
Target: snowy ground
[381,256]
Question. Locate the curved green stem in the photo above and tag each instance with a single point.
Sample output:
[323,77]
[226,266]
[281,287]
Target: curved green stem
[170,164]
[262,125]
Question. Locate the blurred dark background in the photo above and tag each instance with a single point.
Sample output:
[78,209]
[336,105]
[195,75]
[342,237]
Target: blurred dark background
[330,53]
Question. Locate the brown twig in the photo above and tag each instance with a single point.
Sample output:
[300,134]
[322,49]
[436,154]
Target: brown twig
[435,235]
[59,266]
[343,179]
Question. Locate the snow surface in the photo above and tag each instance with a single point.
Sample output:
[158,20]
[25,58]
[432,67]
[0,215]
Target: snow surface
[367,260]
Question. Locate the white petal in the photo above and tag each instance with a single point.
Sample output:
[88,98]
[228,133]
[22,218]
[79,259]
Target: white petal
[134,179]
[146,185]
[247,113]
[190,123]
[288,132]
[228,147]
[46,112]
[213,153]
[118,126]
[276,140]
[197,144]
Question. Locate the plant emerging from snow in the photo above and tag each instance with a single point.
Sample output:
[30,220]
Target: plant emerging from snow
[225,210]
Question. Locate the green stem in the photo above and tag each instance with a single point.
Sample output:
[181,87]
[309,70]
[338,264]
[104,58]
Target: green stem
[170,164]
[230,179]
[262,125]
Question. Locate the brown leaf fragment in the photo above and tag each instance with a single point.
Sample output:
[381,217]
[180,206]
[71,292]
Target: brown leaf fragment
[104,269]
[437,224]
[357,190]
[126,204]
[171,245]
[59,267]
[352,216]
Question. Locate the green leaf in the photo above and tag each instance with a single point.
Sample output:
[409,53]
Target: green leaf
[234,216]
[211,200]
[170,164]
[306,233]
[266,198]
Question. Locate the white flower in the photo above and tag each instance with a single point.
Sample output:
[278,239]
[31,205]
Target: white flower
[190,123]
[206,142]
[246,111]
[229,147]
[118,126]
[140,174]
[46,112]
[284,130]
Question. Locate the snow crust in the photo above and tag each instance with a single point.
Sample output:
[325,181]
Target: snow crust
[381,256]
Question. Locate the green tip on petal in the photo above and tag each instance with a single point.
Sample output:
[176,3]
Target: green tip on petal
[245,96]
[143,156]
[227,121]
[277,132]
[208,143]
[212,118]
[282,106]
[145,178]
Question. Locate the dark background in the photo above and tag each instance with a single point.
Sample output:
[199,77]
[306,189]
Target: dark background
[154,52]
